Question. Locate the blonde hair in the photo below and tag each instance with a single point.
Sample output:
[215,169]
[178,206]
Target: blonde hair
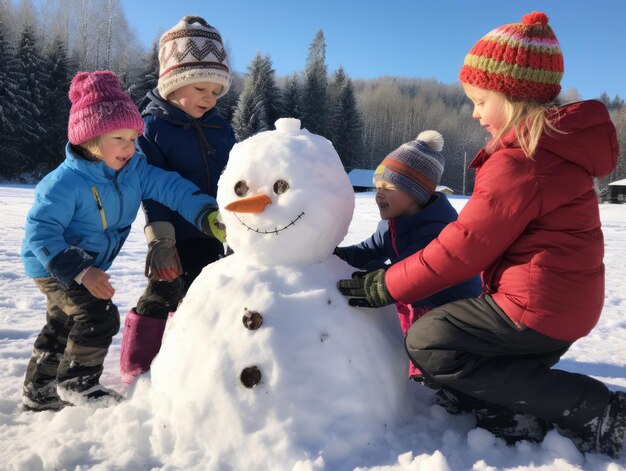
[529,120]
[92,148]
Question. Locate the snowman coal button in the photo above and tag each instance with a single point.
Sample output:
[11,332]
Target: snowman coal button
[250,376]
[252,320]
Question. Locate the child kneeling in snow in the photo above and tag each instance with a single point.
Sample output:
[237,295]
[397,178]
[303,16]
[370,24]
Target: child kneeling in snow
[413,214]
[532,227]
[81,217]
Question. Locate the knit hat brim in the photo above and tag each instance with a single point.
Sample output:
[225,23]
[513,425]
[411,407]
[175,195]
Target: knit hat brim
[187,74]
[99,105]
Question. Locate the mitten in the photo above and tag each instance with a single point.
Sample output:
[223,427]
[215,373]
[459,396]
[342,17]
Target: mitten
[162,261]
[213,226]
[366,289]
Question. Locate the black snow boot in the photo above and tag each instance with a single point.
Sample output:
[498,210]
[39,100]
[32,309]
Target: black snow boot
[87,390]
[42,398]
[510,425]
[450,402]
[456,402]
[605,434]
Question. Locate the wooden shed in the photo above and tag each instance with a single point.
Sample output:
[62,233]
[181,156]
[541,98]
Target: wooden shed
[617,191]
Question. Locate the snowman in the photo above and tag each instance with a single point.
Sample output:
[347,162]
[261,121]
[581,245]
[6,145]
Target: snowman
[264,354]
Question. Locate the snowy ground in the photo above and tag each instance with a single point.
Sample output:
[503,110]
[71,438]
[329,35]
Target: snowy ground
[119,438]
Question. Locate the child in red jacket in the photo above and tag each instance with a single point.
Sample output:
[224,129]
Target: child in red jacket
[532,227]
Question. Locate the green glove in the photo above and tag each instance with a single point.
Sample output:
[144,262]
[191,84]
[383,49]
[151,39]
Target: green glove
[366,289]
[213,226]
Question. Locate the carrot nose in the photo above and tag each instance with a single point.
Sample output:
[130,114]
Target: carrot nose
[252,204]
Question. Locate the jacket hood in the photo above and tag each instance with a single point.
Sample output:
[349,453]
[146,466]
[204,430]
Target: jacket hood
[590,138]
[97,172]
[159,106]
[586,136]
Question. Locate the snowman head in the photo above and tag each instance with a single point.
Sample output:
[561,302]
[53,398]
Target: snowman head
[285,197]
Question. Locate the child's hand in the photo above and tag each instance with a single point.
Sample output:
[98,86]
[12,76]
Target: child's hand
[213,226]
[162,261]
[97,282]
[366,289]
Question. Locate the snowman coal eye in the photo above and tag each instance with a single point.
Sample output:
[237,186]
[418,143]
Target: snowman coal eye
[280,186]
[241,188]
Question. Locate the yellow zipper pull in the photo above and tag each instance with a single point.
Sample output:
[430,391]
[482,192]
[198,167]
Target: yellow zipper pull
[96,196]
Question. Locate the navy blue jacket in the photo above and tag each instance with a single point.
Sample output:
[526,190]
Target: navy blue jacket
[83,212]
[197,149]
[398,238]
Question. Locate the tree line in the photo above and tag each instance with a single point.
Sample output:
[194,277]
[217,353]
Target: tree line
[364,119]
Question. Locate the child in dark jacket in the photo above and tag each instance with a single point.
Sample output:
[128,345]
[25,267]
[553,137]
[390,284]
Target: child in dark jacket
[81,217]
[532,227]
[413,214]
[183,133]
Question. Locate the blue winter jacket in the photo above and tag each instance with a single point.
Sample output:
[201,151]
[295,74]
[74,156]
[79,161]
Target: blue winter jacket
[398,238]
[83,211]
[197,149]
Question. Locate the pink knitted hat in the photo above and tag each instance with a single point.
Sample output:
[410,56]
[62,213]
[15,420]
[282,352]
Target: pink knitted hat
[99,106]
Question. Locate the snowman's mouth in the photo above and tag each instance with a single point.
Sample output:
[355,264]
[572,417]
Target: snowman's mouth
[276,230]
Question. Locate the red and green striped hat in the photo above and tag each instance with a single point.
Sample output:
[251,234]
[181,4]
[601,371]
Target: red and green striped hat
[520,60]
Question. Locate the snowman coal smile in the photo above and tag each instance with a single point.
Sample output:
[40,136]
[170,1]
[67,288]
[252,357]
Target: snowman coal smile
[272,231]
[254,205]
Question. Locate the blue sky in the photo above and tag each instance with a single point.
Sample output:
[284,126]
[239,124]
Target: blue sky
[408,38]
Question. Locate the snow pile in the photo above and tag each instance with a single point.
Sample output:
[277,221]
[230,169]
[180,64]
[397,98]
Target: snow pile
[130,435]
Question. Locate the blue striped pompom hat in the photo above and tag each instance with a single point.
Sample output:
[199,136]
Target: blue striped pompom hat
[415,167]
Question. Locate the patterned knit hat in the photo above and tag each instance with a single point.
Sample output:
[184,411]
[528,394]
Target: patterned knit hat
[191,52]
[415,167]
[520,60]
[99,106]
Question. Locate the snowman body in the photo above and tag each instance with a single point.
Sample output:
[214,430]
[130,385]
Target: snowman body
[264,353]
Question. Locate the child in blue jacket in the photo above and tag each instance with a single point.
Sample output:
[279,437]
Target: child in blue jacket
[183,133]
[80,219]
[413,214]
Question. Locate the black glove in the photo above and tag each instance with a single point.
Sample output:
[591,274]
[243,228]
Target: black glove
[366,289]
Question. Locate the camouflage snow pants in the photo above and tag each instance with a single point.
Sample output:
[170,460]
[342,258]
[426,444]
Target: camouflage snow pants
[73,344]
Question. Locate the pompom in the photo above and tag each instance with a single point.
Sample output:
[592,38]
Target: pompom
[536,17]
[84,84]
[432,139]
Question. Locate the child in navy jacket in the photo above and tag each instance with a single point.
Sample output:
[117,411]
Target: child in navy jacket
[183,133]
[413,214]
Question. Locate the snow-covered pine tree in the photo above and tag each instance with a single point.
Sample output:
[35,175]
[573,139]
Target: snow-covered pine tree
[292,97]
[20,99]
[11,104]
[345,121]
[35,77]
[56,105]
[314,96]
[228,103]
[259,103]
[147,78]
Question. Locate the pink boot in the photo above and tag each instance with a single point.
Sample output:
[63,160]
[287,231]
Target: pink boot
[141,341]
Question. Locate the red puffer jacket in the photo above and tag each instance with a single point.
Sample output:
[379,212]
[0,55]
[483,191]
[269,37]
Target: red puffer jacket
[532,227]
